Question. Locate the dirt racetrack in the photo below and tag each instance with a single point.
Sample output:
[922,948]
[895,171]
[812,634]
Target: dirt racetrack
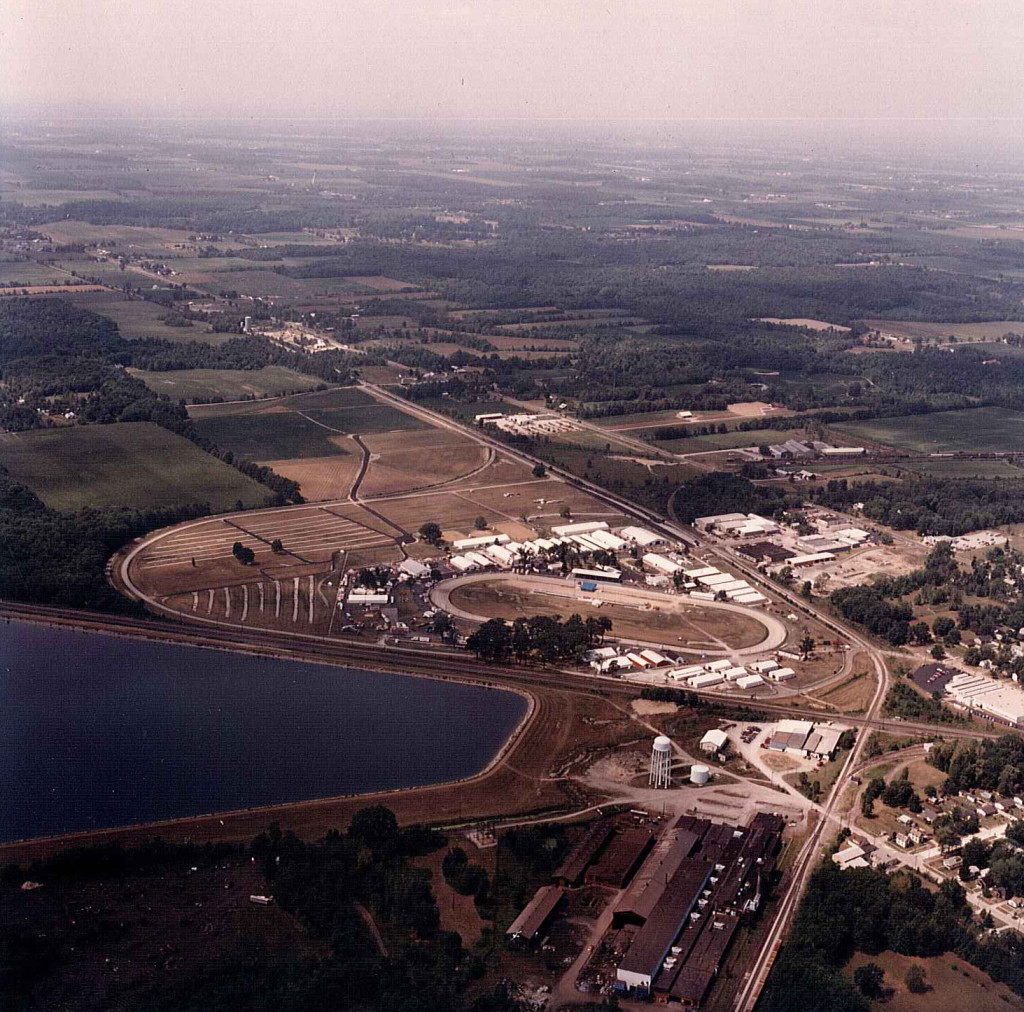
[638,615]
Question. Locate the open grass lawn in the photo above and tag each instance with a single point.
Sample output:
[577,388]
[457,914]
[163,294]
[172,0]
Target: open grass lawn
[978,429]
[853,694]
[25,272]
[142,319]
[955,986]
[126,235]
[298,427]
[269,435]
[690,627]
[205,384]
[371,418]
[728,440]
[987,331]
[336,397]
[129,464]
[966,469]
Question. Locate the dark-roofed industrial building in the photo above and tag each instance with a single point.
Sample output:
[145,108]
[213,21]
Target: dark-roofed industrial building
[655,938]
[570,871]
[527,927]
[678,843]
[691,922]
[621,858]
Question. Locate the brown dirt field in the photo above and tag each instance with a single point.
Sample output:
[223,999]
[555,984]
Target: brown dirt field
[504,471]
[311,534]
[389,442]
[548,345]
[445,508]
[323,478]
[780,763]
[951,991]
[566,724]
[693,627]
[645,707]
[751,409]
[854,694]
[418,467]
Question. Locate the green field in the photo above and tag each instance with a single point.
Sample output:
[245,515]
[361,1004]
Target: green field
[277,435]
[134,464]
[965,469]
[228,384]
[727,440]
[983,430]
[326,400]
[142,319]
[23,272]
[361,420]
[336,397]
[298,426]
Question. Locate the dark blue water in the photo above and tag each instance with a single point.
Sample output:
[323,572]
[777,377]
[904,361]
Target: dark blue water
[97,731]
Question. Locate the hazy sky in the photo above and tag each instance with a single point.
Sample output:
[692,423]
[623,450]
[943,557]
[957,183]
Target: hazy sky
[532,59]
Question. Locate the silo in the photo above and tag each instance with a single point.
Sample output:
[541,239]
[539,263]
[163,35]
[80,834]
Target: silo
[661,762]
[699,774]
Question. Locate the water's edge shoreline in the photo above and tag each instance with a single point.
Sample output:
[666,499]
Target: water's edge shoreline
[94,624]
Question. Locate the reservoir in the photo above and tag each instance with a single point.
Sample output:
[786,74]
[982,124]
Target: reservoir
[99,731]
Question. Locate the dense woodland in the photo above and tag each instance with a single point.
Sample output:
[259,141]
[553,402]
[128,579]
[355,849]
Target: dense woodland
[949,506]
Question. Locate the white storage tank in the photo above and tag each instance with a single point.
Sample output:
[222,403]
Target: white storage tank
[699,774]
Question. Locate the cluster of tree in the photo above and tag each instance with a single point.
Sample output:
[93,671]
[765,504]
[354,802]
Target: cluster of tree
[930,505]
[248,353]
[907,704]
[431,533]
[722,492]
[465,877]
[245,555]
[1003,859]
[898,793]
[868,607]
[990,764]
[540,637]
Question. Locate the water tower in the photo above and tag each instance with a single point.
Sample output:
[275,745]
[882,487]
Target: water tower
[661,763]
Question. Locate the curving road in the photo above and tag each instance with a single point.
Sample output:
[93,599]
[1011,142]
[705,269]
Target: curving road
[775,631]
